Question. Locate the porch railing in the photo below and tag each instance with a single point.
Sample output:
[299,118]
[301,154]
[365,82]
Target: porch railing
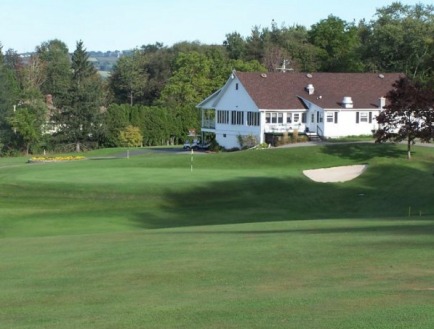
[282,127]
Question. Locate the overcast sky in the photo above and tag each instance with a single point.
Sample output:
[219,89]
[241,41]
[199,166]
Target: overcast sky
[127,24]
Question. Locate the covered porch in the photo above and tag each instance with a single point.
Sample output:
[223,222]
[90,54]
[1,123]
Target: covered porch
[208,119]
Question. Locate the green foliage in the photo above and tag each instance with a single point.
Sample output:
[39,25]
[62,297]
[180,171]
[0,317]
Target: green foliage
[115,119]
[79,117]
[9,92]
[24,122]
[339,44]
[56,66]
[129,78]
[138,78]
[131,137]
[401,40]
[159,127]
[157,124]
[190,82]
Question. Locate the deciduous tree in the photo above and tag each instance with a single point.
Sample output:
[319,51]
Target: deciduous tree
[56,65]
[26,125]
[129,78]
[409,114]
[401,39]
[339,43]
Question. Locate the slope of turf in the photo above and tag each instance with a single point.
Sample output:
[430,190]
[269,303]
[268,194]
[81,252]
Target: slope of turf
[243,240]
[161,190]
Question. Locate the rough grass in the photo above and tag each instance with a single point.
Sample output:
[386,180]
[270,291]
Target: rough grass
[242,241]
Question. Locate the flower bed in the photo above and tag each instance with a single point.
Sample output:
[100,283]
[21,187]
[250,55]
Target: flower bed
[56,158]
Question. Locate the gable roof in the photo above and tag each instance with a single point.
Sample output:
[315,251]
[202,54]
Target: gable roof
[209,102]
[278,90]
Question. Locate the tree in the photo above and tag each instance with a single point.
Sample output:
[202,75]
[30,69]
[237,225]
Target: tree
[129,78]
[79,117]
[33,76]
[158,67]
[159,126]
[25,124]
[9,96]
[115,118]
[235,45]
[409,114]
[190,81]
[56,69]
[401,40]
[131,136]
[255,48]
[339,42]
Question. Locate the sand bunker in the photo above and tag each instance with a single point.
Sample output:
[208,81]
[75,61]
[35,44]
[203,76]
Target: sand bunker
[335,174]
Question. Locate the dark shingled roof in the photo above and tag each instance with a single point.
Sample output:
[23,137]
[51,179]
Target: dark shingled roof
[279,90]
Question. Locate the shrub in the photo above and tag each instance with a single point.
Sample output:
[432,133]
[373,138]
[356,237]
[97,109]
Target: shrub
[131,136]
[247,141]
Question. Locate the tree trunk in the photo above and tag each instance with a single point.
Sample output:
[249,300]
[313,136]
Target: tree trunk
[77,147]
[409,148]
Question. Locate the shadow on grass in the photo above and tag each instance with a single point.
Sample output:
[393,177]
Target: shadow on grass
[364,151]
[398,228]
[381,192]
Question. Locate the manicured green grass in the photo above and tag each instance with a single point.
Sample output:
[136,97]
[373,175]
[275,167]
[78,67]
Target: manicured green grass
[243,240]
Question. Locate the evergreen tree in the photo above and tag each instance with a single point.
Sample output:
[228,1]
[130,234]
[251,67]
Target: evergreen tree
[79,118]
[9,97]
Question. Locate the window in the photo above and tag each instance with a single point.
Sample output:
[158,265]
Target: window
[236,86]
[253,118]
[240,118]
[237,118]
[296,117]
[223,117]
[288,118]
[274,117]
[312,118]
[332,117]
[303,118]
[363,117]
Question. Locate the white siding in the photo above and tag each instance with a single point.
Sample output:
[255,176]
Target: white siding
[347,125]
[236,98]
